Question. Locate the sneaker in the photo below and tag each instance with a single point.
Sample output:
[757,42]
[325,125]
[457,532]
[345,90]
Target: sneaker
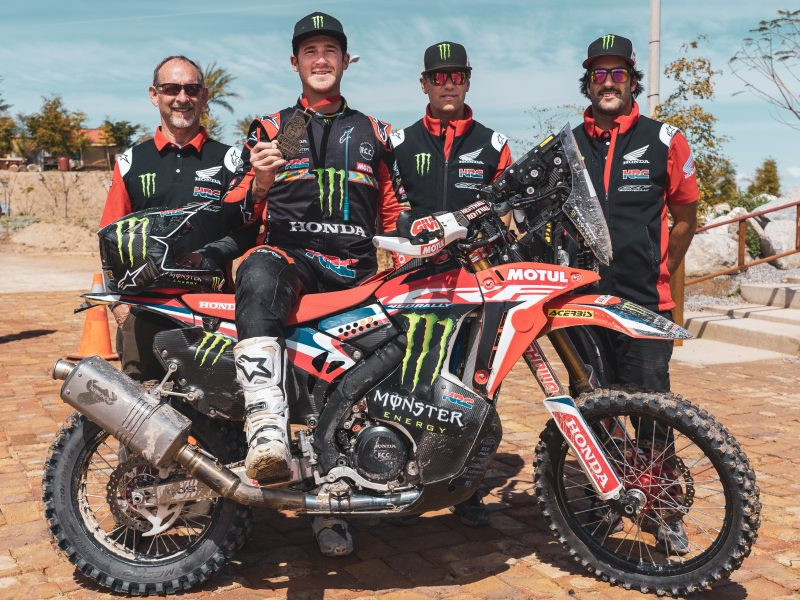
[472,512]
[603,519]
[333,536]
[672,538]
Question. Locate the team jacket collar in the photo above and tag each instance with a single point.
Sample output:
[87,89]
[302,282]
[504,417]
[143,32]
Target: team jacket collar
[461,126]
[623,122]
[302,104]
[196,142]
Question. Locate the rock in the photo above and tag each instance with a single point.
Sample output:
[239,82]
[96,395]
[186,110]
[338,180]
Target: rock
[711,251]
[779,236]
[780,215]
[723,208]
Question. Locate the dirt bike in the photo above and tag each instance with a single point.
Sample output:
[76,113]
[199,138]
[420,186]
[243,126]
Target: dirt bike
[394,399]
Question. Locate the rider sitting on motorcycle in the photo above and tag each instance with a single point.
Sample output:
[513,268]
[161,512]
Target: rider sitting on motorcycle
[321,208]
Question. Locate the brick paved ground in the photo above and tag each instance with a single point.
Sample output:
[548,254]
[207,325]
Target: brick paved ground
[515,558]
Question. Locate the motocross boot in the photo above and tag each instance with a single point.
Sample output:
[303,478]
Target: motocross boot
[260,370]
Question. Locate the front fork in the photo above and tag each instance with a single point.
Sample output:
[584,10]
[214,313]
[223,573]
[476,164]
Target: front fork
[566,415]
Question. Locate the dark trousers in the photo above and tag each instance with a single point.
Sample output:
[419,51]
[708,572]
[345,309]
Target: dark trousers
[619,359]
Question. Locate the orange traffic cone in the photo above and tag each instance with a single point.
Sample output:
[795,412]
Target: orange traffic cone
[96,339]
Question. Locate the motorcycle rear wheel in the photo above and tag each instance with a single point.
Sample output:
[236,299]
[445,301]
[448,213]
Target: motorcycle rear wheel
[696,474]
[85,477]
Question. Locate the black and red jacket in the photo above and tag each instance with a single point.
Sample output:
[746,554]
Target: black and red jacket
[442,165]
[332,198]
[638,168]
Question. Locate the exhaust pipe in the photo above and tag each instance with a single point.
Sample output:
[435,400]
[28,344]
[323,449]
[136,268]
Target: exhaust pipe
[159,433]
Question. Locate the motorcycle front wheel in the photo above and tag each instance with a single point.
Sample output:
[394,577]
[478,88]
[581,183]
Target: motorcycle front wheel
[700,512]
[87,485]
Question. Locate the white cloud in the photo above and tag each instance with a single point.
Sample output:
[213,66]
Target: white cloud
[793,172]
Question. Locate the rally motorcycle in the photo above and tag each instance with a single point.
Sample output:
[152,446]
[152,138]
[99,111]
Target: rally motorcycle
[393,388]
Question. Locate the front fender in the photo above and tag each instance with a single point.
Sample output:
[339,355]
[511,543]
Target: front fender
[610,312]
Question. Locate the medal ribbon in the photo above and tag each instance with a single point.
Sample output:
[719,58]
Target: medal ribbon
[322,103]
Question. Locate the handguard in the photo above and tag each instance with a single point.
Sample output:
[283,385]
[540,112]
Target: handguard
[445,229]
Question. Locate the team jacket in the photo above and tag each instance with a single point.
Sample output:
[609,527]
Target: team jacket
[441,167]
[331,199]
[638,168]
[157,173]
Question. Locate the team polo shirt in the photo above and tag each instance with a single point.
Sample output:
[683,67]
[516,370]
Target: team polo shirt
[157,173]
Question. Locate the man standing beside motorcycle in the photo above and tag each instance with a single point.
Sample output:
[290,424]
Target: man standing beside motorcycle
[641,169]
[443,159]
[317,175]
[179,165]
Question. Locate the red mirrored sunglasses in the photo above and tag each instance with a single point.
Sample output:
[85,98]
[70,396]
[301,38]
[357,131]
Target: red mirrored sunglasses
[618,75]
[441,77]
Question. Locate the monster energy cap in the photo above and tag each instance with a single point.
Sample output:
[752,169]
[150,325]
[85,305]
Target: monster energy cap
[446,56]
[611,45]
[318,23]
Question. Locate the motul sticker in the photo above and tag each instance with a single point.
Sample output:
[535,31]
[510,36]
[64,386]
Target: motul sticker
[537,275]
[583,443]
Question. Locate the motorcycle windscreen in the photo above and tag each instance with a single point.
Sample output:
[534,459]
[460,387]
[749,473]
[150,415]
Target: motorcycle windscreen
[582,207]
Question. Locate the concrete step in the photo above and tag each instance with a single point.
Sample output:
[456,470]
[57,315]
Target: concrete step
[781,295]
[790,279]
[789,316]
[755,333]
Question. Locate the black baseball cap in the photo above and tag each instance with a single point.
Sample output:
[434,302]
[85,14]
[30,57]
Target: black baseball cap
[611,45]
[318,23]
[446,55]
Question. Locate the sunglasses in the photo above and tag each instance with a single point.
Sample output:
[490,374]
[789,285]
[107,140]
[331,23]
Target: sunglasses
[618,75]
[173,89]
[441,77]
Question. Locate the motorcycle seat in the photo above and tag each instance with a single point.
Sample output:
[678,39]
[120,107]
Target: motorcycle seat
[309,308]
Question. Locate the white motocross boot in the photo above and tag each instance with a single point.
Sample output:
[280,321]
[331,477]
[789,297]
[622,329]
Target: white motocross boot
[260,369]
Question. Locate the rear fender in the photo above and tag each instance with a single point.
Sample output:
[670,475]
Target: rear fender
[610,312]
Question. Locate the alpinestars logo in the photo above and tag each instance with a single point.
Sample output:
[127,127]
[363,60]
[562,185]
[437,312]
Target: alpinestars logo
[635,157]
[328,181]
[318,21]
[471,157]
[423,163]
[444,51]
[130,230]
[608,42]
[425,331]
[148,184]
[212,342]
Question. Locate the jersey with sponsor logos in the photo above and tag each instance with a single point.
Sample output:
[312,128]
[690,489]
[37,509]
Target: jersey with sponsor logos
[157,173]
[442,165]
[638,168]
[330,199]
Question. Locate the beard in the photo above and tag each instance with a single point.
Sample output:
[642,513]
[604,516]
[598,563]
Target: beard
[182,120]
[612,107]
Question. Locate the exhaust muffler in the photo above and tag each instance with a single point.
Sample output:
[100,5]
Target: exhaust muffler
[123,408]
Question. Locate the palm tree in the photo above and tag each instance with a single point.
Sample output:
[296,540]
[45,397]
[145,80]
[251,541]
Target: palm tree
[217,81]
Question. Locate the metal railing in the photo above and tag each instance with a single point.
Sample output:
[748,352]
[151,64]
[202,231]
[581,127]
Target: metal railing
[678,280]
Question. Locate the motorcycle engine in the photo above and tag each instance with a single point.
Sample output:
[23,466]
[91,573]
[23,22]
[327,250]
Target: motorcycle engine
[379,453]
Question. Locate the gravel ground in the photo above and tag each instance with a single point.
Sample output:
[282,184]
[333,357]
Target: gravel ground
[763,273]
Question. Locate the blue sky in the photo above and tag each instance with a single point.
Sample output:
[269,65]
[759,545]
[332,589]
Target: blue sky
[99,57]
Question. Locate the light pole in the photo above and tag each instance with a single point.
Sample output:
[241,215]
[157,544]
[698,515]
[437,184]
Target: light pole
[655,53]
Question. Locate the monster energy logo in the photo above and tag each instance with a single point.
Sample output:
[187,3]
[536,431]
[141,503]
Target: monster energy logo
[608,42]
[148,184]
[427,323]
[444,51]
[132,224]
[332,175]
[216,282]
[317,21]
[423,163]
[212,341]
